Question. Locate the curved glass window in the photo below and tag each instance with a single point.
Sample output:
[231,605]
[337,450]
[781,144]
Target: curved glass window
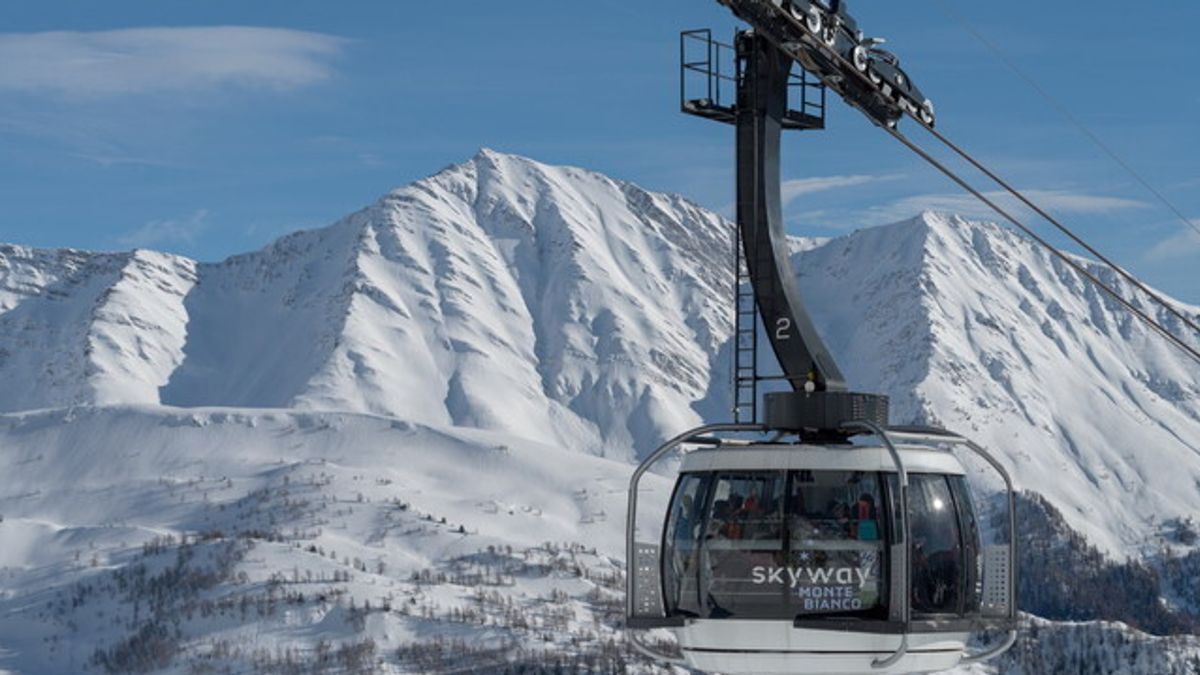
[973,567]
[836,543]
[684,526]
[936,546]
[813,544]
[743,535]
[776,545]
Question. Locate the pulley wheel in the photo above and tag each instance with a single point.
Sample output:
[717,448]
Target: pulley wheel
[861,62]
[813,21]
[830,35]
[927,112]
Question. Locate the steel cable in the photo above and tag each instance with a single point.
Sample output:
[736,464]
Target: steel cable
[1065,230]
[1129,306]
[1067,114]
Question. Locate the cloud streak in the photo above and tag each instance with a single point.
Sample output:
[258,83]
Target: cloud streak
[798,187]
[1183,244]
[1054,201]
[148,60]
[159,232]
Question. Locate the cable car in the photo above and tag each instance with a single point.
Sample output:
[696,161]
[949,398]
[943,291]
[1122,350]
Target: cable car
[790,557]
[791,544]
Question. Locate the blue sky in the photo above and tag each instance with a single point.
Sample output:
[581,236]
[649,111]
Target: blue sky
[121,129]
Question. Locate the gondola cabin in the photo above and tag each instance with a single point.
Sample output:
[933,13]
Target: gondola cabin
[795,558]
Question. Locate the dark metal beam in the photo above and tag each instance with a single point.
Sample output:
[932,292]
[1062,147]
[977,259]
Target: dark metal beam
[761,107]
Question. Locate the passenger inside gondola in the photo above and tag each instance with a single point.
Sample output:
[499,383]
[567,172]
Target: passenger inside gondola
[841,520]
[866,525]
[685,519]
[721,523]
[751,507]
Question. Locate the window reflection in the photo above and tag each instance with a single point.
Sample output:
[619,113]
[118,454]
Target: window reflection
[744,532]
[973,566]
[936,546]
[835,547]
[683,543]
[785,544]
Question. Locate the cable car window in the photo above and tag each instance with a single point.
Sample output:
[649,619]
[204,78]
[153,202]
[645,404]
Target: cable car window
[836,543]
[973,568]
[937,556]
[681,562]
[743,535]
[781,545]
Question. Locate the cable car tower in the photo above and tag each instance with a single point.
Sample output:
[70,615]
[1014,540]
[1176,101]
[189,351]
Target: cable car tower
[790,543]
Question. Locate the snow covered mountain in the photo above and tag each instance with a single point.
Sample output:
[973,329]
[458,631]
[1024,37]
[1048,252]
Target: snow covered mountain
[501,293]
[549,302]
[972,327]
[342,388]
[81,329]
[565,307]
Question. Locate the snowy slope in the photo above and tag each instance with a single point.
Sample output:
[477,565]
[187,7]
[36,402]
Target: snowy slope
[501,293]
[973,327]
[402,548]
[301,517]
[81,328]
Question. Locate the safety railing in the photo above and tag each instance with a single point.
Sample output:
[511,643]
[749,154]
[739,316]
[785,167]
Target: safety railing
[709,72]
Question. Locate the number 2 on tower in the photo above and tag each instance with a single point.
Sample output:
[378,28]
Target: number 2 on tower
[783,329]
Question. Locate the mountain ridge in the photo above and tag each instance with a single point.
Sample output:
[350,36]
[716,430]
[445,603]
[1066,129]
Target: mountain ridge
[415,427]
[972,350]
[585,312]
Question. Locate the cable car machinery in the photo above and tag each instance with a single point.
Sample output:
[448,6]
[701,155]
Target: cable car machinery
[746,595]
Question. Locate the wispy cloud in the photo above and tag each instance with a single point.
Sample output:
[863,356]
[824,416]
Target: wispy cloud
[144,60]
[1183,244]
[1054,201]
[1187,183]
[798,187]
[109,161]
[1079,202]
[160,232]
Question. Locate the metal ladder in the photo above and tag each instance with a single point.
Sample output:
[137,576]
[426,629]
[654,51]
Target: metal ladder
[745,340]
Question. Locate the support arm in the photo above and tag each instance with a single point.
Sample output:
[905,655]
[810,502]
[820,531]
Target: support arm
[762,104]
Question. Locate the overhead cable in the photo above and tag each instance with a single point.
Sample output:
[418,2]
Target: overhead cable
[1067,231]
[1145,318]
[1067,114]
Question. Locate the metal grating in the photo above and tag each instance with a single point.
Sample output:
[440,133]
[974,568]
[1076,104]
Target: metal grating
[647,588]
[997,591]
[709,73]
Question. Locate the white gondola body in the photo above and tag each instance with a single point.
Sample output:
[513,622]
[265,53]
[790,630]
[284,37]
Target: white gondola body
[762,646]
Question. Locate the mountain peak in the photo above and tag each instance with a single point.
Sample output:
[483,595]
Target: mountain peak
[486,154]
[489,159]
[939,222]
[560,304]
[973,326]
[542,300]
